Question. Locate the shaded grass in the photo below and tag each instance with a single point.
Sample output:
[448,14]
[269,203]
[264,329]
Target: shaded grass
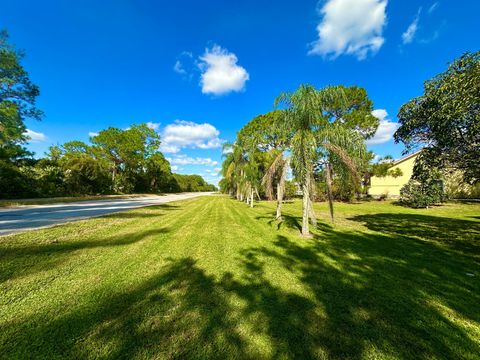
[212,278]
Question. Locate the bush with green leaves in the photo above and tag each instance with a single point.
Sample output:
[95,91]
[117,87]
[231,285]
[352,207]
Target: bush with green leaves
[422,194]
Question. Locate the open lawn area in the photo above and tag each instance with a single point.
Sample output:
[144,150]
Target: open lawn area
[212,278]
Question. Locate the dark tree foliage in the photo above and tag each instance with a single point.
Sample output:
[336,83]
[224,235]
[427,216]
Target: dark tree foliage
[262,134]
[445,120]
[351,107]
[17,101]
[191,183]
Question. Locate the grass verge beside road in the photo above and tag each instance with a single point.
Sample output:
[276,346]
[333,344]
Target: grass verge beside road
[212,278]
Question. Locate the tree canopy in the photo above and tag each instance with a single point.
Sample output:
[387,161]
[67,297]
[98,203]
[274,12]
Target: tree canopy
[445,120]
[17,100]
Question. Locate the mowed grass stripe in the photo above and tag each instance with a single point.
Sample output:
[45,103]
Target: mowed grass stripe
[213,278]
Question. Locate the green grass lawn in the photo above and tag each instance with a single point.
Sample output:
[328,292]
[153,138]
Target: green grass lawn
[212,278]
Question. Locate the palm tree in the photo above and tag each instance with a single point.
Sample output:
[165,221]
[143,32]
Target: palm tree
[277,172]
[300,118]
[312,137]
[233,170]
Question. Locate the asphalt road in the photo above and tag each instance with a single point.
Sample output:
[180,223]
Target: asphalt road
[28,217]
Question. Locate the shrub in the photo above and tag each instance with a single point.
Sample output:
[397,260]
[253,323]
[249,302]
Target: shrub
[417,194]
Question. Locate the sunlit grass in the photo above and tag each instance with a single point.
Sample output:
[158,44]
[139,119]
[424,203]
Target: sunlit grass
[212,278]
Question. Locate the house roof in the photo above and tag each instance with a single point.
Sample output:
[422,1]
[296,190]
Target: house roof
[406,157]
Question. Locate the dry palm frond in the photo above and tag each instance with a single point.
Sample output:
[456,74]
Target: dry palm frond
[344,157]
[267,179]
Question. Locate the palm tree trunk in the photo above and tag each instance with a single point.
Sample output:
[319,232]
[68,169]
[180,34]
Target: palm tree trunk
[281,188]
[328,172]
[279,201]
[311,213]
[252,193]
[305,206]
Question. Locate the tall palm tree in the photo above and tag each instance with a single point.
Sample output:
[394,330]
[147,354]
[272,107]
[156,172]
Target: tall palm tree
[233,170]
[276,173]
[312,136]
[301,117]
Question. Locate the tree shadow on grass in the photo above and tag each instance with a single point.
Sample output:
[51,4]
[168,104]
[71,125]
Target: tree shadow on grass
[353,295]
[21,260]
[286,221]
[292,222]
[456,234]
[180,313]
[144,212]
[371,295]
[343,294]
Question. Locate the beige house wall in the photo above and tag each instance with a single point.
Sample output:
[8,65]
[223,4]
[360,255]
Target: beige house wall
[390,185]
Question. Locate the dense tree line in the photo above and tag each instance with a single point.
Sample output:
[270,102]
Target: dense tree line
[115,161]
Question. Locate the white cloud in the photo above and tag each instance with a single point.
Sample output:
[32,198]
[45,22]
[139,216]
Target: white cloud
[34,136]
[174,167]
[178,68]
[220,72]
[409,34]
[385,130]
[187,160]
[432,8]
[184,64]
[353,27]
[92,134]
[182,134]
[153,125]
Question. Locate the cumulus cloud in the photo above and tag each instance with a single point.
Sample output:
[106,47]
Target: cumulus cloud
[409,34]
[187,160]
[182,134]
[353,27]
[220,72]
[153,125]
[92,134]
[385,130]
[34,136]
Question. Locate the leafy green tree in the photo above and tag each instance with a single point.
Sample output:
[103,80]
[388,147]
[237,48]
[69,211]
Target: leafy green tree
[126,152]
[17,101]
[350,107]
[445,120]
[157,174]
[192,183]
[313,136]
[84,173]
[261,135]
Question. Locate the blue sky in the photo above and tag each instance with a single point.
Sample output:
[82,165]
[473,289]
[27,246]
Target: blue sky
[199,70]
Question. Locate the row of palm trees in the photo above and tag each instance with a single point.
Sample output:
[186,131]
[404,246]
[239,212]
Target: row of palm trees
[312,132]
